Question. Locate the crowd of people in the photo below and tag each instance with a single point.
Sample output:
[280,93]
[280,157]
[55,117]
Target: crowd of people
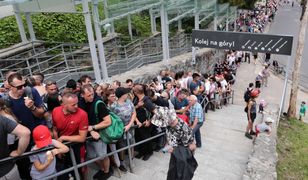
[35,114]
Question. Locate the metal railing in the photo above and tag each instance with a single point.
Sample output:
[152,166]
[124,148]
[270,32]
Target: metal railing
[76,166]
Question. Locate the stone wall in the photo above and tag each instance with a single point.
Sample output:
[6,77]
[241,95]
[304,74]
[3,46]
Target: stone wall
[263,158]
[205,60]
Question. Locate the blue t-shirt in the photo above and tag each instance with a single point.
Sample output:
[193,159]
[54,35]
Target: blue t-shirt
[177,104]
[24,114]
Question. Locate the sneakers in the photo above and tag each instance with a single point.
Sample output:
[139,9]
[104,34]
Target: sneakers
[100,175]
[147,157]
[252,133]
[123,169]
[248,135]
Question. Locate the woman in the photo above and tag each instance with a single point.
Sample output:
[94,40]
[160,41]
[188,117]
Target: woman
[125,109]
[251,110]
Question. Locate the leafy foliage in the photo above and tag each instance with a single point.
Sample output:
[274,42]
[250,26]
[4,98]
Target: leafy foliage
[292,148]
[9,33]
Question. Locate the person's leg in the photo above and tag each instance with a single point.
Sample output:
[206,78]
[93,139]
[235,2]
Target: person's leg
[12,175]
[197,134]
[248,127]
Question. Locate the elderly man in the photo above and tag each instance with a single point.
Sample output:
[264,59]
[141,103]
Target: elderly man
[70,124]
[196,117]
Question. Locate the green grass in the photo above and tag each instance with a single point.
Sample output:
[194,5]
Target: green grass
[292,148]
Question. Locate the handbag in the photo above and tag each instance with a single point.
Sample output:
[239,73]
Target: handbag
[114,132]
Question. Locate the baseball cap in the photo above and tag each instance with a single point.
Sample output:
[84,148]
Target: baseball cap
[41,136]
[255,93]
[120,91]
[269,120]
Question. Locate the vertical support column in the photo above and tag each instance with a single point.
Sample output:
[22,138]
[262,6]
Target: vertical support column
[164,30]
[216,16]
[179,24]
[106,14]
[235,18]
[153,22]
[227,20]
[100,43]
[20,24]
[197,20]
[130,27]
[91,40]
[284,92]
[30,26]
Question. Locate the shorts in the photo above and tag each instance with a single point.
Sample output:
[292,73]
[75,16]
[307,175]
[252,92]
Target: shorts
[96,149]
[253,116]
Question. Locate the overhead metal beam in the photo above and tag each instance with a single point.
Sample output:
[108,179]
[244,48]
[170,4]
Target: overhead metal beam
[111,19]
[207,16]
[181,16]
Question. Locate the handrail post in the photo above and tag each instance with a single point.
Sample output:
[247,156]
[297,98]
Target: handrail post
[74,164]
[129,154]
[232,96]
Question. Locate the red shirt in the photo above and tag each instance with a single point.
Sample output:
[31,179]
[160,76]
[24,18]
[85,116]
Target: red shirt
[69,124]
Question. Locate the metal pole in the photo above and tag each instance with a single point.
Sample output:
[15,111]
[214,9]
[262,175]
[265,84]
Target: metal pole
[215,17]
[179,24]
[164,29]
[284,88]
[91,40]
[153,22]
[74,163]
[30,26]
[235,18]
[129,154]
[227,20]
[130,27]
[100,43]
[106,14]
[20,24]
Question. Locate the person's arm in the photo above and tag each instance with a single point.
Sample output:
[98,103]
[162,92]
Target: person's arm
[23,134]
[37,111]
[131,122]
[60,148]
[81,137]
[42,166]
[103,124]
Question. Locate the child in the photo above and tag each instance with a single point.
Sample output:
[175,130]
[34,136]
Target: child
[262,106]
[265,126]
[44,163]
[302,110]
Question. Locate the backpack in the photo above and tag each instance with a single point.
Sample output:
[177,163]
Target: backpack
[247,95]
[114,132]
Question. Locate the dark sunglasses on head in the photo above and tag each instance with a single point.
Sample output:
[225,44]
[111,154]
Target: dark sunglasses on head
[19,87]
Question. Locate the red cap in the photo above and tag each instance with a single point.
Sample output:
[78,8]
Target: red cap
[41,136]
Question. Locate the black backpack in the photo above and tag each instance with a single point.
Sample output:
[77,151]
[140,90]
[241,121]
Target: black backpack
[247,95]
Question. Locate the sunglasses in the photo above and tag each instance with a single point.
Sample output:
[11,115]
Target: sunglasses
[19,87]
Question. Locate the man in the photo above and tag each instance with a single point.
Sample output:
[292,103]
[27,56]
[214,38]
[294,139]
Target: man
[6,87]
[28,108]
[251,110]
[144,109]
[96,148]
[52,99]
[180,102]
[85,79]
[129,83]
[196,87]
[196,117]
[8,170]
[70,124]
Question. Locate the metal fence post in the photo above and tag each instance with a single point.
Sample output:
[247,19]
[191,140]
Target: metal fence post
[232,96]
[74,164]
[129,154]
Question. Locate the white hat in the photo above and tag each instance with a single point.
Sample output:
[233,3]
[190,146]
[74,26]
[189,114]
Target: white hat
[269,120]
